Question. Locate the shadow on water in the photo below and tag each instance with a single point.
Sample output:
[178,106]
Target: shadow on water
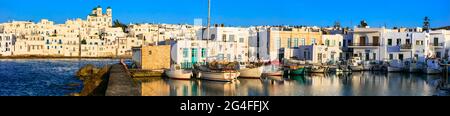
[351,84]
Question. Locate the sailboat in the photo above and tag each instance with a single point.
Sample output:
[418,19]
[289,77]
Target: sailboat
[355,64]
[396,66]
[432,63]
[176,73]
[218,71]
[252,70]
[433,66]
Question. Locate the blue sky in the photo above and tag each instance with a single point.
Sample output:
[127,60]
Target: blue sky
[400,13]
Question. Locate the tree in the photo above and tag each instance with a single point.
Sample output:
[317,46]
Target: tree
[117,23]
[337,25]
[83,42]
[426,24]
[363,24]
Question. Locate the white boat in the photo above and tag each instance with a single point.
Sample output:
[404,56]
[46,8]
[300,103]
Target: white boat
[316,69]
[355,64]
[217,72]
[433,67]
[273,71]
[396,66]
[413,66]
[251,72]
[373,65]
[226,76]
[367,65]
[178,73]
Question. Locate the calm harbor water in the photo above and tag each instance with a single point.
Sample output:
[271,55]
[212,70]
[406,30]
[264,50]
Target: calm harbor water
[56,77]
[356,84]
[43,77]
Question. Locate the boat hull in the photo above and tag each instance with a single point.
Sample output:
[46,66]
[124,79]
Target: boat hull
[433,71]
[179,74]
[356,68]
[298,71]
[219,76]
[395,69]
[251,72]
[278,73]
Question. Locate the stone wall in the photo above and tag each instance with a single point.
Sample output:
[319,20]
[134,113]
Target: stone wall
[155,57]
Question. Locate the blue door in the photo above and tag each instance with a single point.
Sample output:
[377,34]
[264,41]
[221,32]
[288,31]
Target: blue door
[194,58]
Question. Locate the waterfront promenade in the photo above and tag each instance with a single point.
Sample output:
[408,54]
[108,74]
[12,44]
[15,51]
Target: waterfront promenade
[120,83]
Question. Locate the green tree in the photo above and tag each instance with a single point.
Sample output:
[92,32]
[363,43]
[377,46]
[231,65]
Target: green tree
[83,42]
[117,23]
[426,24]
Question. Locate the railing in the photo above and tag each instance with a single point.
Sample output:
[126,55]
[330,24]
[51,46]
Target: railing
[364,44]
[405,46]
[438,44]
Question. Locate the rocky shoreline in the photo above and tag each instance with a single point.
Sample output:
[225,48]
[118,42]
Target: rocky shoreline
[95,80]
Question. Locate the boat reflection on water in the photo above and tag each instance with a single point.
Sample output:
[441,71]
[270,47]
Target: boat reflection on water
[218,88]
[327,84]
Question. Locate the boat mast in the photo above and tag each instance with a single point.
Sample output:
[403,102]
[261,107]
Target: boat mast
[207,28]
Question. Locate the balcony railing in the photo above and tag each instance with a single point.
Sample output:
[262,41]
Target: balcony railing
[406,46]
[438,44]
[364,44]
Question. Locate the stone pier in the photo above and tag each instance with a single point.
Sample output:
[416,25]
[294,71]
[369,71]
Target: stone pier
[120,83]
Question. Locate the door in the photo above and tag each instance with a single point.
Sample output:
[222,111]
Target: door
[362,40]
[320,57]
[376,40]
[194,58]
[436,42]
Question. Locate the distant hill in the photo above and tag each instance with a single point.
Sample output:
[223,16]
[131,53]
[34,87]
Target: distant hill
[446,28]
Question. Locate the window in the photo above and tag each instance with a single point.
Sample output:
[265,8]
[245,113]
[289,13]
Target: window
[374,56]
[408,41]
[203,53]
[417,42]
[224,38]
[48,41]
[327,42]
[438,54]
[400,56]
[303,41]
[60,41]
[231,39]
[289,43]
[367,56]
[185,52]
[241,40]
[314,41]
[399,41]
[213,36]
[295,42]
[389,42]
[391,56]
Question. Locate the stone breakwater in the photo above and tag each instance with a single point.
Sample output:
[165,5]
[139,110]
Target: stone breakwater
[95,80]
[112,80]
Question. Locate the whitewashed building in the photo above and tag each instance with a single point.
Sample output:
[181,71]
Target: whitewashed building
[7,42]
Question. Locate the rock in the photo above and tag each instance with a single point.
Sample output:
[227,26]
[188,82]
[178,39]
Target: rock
[86,71]
[94,84]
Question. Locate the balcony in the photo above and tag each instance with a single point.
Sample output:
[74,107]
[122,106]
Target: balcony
[406,46]
[439,45]
[364,45]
